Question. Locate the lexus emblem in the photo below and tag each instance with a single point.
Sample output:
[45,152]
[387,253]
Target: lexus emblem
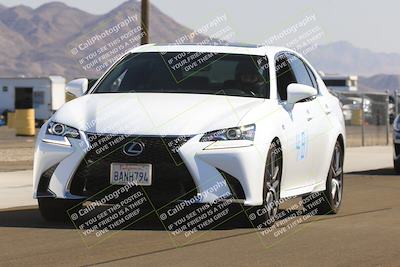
[133,149]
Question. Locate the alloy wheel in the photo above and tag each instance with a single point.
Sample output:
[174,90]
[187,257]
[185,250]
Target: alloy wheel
[336,172]
[272,172]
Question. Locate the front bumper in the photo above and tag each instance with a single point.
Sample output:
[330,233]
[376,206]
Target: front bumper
[188,169]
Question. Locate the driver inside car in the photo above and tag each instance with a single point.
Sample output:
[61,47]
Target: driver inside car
[247,79]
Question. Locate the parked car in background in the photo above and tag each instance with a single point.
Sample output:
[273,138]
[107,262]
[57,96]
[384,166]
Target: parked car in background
[392,109]
[396,144]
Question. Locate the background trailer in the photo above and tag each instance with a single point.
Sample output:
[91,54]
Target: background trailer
[45,94]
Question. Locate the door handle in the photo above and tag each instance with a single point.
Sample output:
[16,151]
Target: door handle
[327,109]
[309,115]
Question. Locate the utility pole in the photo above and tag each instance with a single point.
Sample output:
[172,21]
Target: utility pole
[145,22]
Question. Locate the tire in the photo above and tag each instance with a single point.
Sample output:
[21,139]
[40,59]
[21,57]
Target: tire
[330,200]
[396,164]
[265,215]
[53,209]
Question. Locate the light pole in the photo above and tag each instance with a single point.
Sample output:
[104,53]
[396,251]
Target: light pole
[145,22]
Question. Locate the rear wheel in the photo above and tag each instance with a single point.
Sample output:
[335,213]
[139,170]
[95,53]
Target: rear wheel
[265,215]
[332,196]
[53,209]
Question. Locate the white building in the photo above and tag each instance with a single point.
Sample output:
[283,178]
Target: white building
[44,94]
[342,83]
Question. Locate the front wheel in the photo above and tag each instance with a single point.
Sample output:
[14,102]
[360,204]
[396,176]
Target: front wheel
[265,215]
[331,198]
[53,209]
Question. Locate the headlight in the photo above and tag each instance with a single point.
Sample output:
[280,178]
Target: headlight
[236,133]
[396,124]
[58,129]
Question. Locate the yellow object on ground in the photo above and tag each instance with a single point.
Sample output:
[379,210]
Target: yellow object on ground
[356,117]
[25,122]
[11,119]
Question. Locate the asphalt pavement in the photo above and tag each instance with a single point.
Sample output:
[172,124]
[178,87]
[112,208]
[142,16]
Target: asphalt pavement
[366,232]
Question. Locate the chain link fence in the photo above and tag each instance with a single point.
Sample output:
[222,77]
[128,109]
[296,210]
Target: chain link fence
[369,117]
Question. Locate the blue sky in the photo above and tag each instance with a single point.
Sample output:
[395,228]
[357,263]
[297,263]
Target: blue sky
[367,24]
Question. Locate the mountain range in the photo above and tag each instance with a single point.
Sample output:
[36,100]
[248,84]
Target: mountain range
[379,82]
[376,71]
[344,58]
[38,42]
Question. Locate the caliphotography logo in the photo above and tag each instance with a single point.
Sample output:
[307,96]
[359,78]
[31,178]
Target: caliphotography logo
[199,133]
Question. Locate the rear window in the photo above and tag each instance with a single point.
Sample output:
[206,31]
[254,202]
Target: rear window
[194,73]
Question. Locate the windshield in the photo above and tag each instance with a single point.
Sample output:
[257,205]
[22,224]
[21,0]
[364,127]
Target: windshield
[195,73]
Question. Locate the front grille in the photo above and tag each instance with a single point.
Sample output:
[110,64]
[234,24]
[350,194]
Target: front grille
[170,178]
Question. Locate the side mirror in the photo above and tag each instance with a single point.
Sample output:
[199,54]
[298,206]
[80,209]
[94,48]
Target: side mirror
[297,92]
[77,87]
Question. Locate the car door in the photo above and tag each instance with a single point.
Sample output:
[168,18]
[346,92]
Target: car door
[318,124]
[296,131]
[323,126]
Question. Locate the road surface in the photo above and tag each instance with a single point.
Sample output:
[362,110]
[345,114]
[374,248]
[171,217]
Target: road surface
[366,232]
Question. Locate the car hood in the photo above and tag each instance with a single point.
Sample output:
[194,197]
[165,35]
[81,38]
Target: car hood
[155,113]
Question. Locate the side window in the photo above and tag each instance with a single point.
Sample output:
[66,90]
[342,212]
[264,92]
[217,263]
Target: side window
[284,75]
[312,76]
[299,70]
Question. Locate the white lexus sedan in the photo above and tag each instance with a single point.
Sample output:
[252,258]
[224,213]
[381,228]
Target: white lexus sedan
[196,122]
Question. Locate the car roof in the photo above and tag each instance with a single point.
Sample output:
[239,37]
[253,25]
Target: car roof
[232,48]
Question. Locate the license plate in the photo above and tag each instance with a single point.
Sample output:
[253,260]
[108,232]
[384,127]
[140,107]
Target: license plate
[125,173]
